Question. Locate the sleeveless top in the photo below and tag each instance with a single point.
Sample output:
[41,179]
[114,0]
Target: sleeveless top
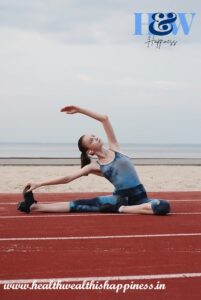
[120,172]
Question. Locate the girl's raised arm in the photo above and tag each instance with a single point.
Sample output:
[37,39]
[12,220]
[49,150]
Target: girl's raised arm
[113,144]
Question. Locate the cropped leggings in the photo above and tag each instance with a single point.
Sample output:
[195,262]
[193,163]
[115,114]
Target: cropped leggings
[112,203]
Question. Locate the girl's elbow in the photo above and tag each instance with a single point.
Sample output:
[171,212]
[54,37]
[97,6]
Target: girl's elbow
[105,118]
[67,179]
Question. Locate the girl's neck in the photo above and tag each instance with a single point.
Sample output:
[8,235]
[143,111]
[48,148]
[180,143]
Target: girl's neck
[105,156]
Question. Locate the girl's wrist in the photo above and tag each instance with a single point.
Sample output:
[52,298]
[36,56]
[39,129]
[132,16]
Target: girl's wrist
[79,109]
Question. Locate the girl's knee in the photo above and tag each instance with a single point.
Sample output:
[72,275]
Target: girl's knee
[160,207]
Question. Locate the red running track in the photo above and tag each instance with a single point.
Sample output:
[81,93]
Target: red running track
[103,246]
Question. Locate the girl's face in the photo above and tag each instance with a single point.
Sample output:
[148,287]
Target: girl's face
[92,142]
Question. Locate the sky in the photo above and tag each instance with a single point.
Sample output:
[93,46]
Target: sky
[84,53]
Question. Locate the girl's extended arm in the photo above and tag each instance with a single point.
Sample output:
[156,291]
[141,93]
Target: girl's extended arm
[102,118]
[90,168]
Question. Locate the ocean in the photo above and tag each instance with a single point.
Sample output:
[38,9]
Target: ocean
[69,150]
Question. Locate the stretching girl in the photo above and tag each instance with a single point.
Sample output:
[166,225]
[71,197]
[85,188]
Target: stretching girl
[129,195]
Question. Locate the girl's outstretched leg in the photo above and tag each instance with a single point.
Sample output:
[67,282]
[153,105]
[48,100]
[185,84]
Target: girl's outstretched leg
[97,204]
[29,204]
[50,207]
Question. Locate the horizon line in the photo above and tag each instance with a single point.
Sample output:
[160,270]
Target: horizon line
[133,143]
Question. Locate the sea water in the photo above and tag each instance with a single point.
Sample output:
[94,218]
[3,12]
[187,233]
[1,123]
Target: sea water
[63,150]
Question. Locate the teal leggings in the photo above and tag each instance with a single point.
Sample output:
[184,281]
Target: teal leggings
[111,203]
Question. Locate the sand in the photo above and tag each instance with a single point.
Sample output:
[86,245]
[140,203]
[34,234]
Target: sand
[154,178]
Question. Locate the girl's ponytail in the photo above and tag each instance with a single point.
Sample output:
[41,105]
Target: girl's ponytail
[85,159]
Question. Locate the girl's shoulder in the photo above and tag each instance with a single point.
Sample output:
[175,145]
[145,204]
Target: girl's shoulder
[95,165]
[95,168]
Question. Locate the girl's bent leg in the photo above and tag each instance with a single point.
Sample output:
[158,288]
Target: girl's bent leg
[144,208]
[160,207]
[153,207]
[51,207]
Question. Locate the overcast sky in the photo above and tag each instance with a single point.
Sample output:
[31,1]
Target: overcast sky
[83,52]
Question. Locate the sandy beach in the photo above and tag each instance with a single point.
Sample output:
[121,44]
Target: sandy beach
[154,178]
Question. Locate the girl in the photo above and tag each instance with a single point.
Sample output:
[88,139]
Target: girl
[129,195]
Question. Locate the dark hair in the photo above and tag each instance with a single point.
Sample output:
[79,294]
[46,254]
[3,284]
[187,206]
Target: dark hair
[85,159]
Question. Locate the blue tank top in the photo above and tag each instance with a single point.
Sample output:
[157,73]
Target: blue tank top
[120,172]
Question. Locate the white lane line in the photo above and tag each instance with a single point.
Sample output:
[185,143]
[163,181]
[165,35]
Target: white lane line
[100,237]
[187,213]
[103,278]
[67,215]
[15,203]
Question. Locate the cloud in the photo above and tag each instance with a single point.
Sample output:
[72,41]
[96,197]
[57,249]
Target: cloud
[70,21]
[88,21]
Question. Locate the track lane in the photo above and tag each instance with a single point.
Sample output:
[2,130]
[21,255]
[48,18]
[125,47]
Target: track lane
[196,195]
[109,257]
[177,206]
[102,225]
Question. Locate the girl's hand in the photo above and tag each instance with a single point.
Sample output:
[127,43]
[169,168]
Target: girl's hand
[31,186]
[70,109]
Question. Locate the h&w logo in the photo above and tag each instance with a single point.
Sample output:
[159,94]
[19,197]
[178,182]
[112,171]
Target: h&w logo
[162,24]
